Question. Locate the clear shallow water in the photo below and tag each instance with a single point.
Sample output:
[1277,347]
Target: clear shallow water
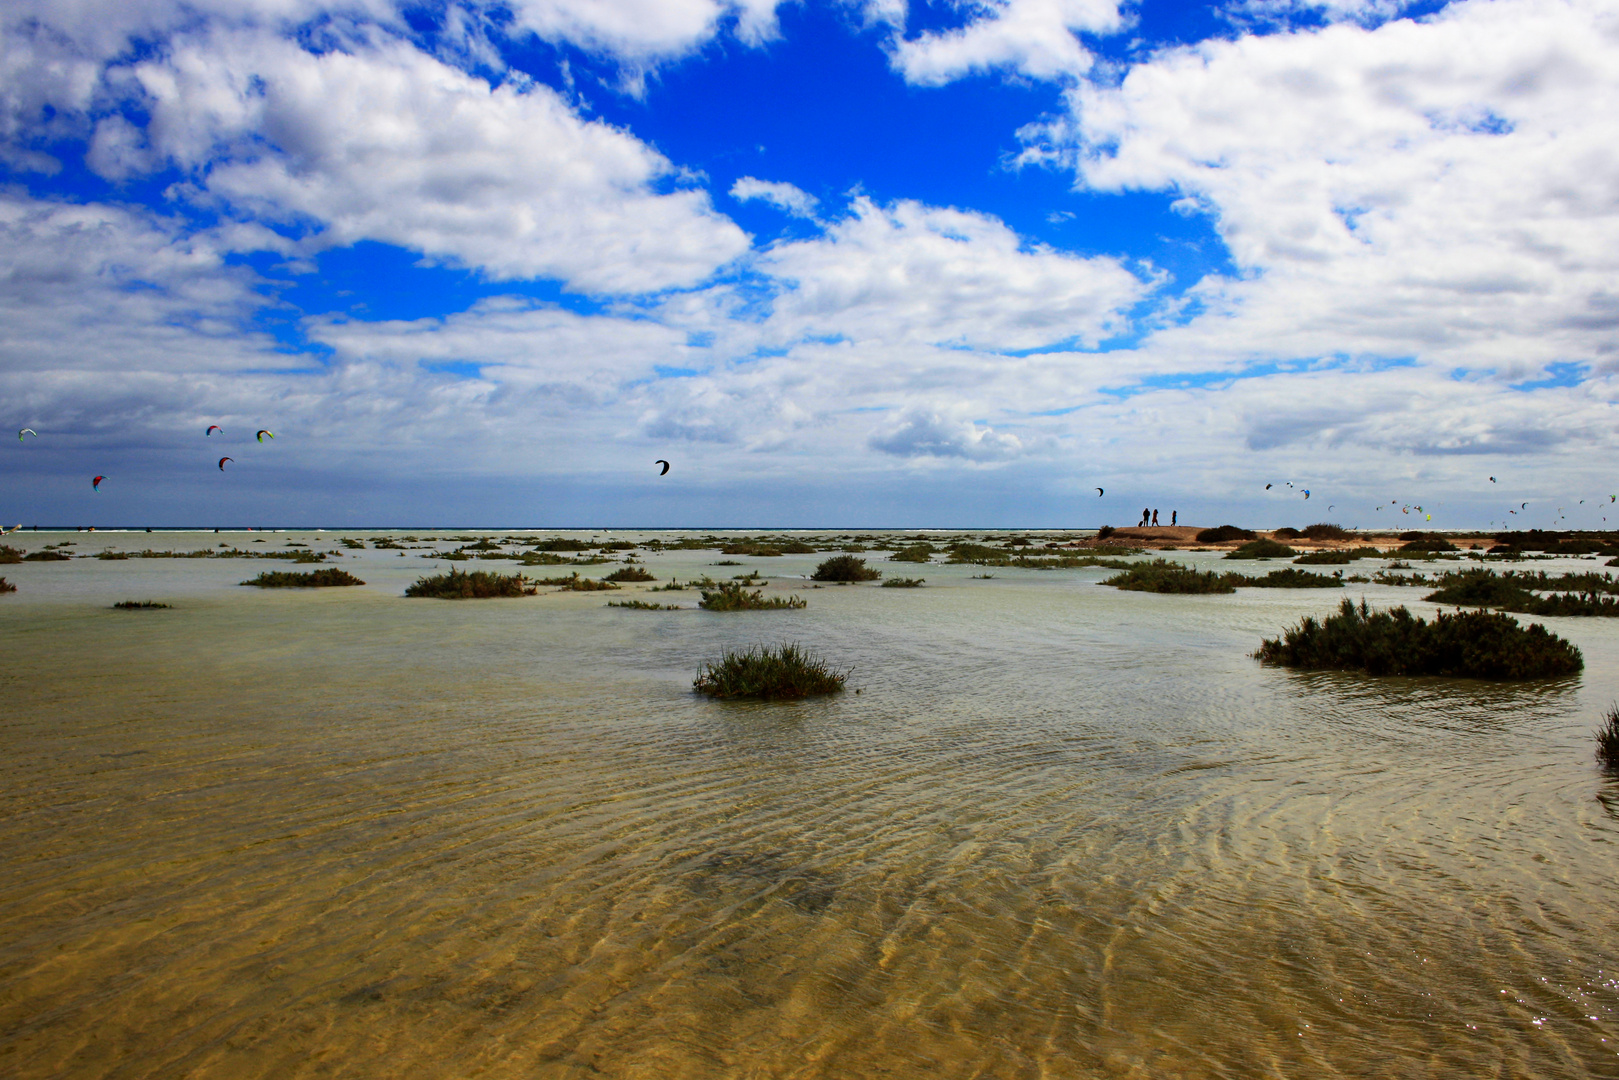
[1062,831]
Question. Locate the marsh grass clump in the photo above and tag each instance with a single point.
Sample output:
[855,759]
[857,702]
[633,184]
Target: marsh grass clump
[1429,544]
[574,583]
[460,585]
[10,554]
[1224,534]
[1164,576]
[1262,549]
[314,579]
[642,605]
[904,583]
[1290,578]
[1607,739]
[140,605]
[6,586]
[784,673]
[917,553]
[1572,594]
[845,568]
[731,596]
[630,573]
[1341,557]
[47,556]
[1325,531]
[1474,644]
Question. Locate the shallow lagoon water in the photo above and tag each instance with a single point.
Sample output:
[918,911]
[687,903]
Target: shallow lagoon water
[1062,831]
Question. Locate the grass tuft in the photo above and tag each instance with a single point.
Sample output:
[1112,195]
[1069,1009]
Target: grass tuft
[1608,740]
[630,573]
[731,596]
[1293,579]
[315,579]
[478,585]
[1164,576]
[904,583]
[642,605]
[845,568]
[6,586]
[1474,644]
[786,672]
[140,605]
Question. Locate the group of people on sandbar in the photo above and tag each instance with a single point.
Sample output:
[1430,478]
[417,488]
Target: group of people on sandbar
[1174,515]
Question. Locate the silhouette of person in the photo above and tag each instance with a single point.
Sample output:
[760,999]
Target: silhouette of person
[1174,516]
[1155,519]
[1145,514]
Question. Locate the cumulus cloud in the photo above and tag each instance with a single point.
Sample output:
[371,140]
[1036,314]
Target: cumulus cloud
[908,272]
[1036,38]
[1441,189]
[785,197]
[928,433]
[642,33]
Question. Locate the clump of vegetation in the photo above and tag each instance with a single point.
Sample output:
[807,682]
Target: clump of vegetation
[1607,740]
[460,585]
[1293,579]
[574,583]
[1164,576]
[1430,543]
[314,579]
[1262,549]
[1324,531]
[1286,534]
[1474,644]
[786,672]
[642,605]
[845,568]
[731,596]
[1106,531]
[47,556]
[1583,594]
[6,586]
[630,573]
[1224,535]
[10,554]
[919,553]
[353,545]
[749,547]
[1341,557]
[111,556]
[904,583]
[140,605]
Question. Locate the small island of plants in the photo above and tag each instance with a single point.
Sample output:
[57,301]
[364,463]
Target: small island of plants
[6,586]
[845,568]
[1608,740]
[314,579]
[477,585]
[1474,644]
[731,596]
[786,672]
[141,605]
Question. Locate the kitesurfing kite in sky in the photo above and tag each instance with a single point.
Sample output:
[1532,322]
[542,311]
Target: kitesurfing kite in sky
[665,465]
[262,434]
[95,485]
[222,462]
[213,428]
[27,431]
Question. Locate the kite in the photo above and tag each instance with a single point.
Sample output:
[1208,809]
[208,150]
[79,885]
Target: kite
[222,462]
[213,428]
[1306,493]
[1267,487]
[27,431]
[1100,493]
[262,434]
[95,485]
[661,472]
[14,528]
[1523,506]
[1492,479]
[1329,508]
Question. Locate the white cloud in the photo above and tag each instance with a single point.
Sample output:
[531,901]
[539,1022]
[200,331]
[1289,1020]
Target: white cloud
[386,143]
[914,273]
[785,197]
[922,432]
[1035,38]
[1443,190]
[642,33]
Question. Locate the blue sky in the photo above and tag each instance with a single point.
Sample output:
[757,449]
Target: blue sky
[864,262]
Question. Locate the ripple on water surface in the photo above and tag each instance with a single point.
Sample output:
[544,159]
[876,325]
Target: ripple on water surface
[1061,832]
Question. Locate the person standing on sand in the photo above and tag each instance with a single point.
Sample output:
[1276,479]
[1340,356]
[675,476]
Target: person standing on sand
[1155,519]
[1144,515]
[1174,516]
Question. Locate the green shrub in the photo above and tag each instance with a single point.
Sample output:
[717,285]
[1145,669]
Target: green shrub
[574,583]
[750,547]
[1324,531]
[1286,534]
[1607,739]
[630,573]
[1224,535]
[1429,544]
[784,673]
[731,596]
[140,605]
[1474,644]
[1325,558]
[904,583]
[1293,579]
[1262,549]
[47,556]
[845,568]
[1582,594]
[478,585]
[797,547]
[918,553]
[557,543]
[10,554]
[642,605]
[1164,576]
[315,579]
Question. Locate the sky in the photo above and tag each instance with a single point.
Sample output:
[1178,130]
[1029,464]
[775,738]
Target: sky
[842,263]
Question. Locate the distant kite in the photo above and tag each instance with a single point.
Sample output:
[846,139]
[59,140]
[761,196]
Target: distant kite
[1492,479]
[262,434]
[222,462]
[27,431]
[1523,506]
[213,428]
[95,485]
[661,472]
[14,528]
[1267,487]
[1099,493]
[1329,508]
[1306,493]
